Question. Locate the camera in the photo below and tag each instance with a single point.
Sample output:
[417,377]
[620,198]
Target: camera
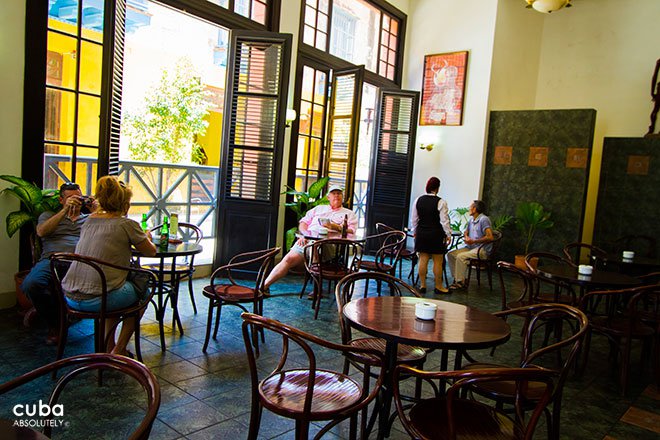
[86,204]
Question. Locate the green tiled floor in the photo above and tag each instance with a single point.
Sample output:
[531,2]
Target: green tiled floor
[207,396]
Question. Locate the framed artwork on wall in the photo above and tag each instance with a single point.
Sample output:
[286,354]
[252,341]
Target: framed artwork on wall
[443,88]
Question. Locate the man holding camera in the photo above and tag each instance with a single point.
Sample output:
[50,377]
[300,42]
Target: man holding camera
[58,232]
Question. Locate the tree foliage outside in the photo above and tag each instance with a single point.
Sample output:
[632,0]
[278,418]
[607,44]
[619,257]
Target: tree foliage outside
[173,116]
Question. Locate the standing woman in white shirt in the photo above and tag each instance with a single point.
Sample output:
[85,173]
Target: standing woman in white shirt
[430,221]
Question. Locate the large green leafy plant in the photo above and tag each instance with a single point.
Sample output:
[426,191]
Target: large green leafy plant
[302,202]
[34,201]
[458,218]
[531,217]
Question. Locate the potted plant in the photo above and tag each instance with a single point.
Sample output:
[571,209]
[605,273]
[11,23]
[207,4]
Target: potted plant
[458,218]
[34,201]
[501,221]
[530,217]
[302,202]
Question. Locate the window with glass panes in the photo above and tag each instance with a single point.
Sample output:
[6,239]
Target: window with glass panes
[256,10]
[311,126]
[360,32]
[73,95]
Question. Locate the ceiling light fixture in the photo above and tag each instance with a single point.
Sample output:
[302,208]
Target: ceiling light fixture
[548,6]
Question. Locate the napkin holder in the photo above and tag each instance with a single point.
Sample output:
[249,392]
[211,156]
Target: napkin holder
[425,311]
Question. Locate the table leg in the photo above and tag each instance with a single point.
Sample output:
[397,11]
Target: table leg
[391,349]
[174,298]
[160,311]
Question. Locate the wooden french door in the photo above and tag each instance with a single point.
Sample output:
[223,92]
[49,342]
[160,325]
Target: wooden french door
[343,129]
[253,140]
[390,178]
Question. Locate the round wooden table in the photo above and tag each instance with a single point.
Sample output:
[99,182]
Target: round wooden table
[599,279]
[171,252]
[455,327]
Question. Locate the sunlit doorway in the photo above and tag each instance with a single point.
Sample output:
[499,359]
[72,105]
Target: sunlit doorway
[172,110]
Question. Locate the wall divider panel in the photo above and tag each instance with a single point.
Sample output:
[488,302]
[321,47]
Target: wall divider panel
[628,192]
[539,156]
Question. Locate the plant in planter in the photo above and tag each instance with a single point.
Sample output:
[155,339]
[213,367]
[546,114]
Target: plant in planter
[458,218]
[530,217]
[34,201]
[303,202]
[500,222]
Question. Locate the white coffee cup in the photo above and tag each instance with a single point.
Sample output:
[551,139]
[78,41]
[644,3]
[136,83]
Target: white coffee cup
[628,255]
[585,269]
[425,310]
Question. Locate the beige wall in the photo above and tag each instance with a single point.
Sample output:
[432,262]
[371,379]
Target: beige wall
[601,54]
[437,26]
[598,54]
[12,24]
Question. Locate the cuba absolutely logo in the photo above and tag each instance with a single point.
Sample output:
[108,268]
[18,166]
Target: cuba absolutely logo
[30,415]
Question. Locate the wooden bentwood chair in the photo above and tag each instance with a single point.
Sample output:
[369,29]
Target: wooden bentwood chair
[546,289]
[59,265]
[77,365]
[623,316]
[485,261]
[405,254]
[573,251]
[344,293]
[388,255]
[552,337]
[229,292]
[306,393]
[450,417]
[330,260]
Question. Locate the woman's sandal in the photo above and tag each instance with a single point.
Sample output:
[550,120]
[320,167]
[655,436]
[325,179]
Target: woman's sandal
[441,291]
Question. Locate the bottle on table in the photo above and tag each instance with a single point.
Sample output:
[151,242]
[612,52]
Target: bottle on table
[144,224]
[165,233]
[174,224]
[344,227]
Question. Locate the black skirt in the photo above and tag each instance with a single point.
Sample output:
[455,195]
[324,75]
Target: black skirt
[430,241]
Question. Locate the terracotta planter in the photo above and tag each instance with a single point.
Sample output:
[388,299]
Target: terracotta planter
[520,262]
[23,301]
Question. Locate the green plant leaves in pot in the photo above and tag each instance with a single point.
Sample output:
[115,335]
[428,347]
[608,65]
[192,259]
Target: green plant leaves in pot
[34,201]
[530,217]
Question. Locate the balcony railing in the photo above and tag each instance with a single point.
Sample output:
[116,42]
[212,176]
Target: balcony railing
[160,189]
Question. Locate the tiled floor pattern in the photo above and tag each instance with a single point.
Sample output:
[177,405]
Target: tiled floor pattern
[206,396]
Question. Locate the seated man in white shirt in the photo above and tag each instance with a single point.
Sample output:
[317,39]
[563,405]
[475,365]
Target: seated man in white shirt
[334,212]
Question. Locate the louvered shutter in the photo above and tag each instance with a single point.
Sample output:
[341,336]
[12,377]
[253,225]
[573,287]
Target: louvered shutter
[391,171]
[113,62]
[253,139]
[344,129]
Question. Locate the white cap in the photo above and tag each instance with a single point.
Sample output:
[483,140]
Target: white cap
[335,188]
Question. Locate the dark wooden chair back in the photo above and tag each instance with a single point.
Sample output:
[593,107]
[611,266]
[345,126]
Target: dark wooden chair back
[390,246]
[345,292]
[545,289]
[485,260]
[77,365]
[187,232]
[623,316]
[305,383]
[224,290]
[259,262]
[453,417]
[552,336]
[144,280]
[518,279]
[330,260]
[405,254]
[574,250]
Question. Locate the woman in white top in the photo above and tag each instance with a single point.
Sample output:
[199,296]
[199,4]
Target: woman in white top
[108,235]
